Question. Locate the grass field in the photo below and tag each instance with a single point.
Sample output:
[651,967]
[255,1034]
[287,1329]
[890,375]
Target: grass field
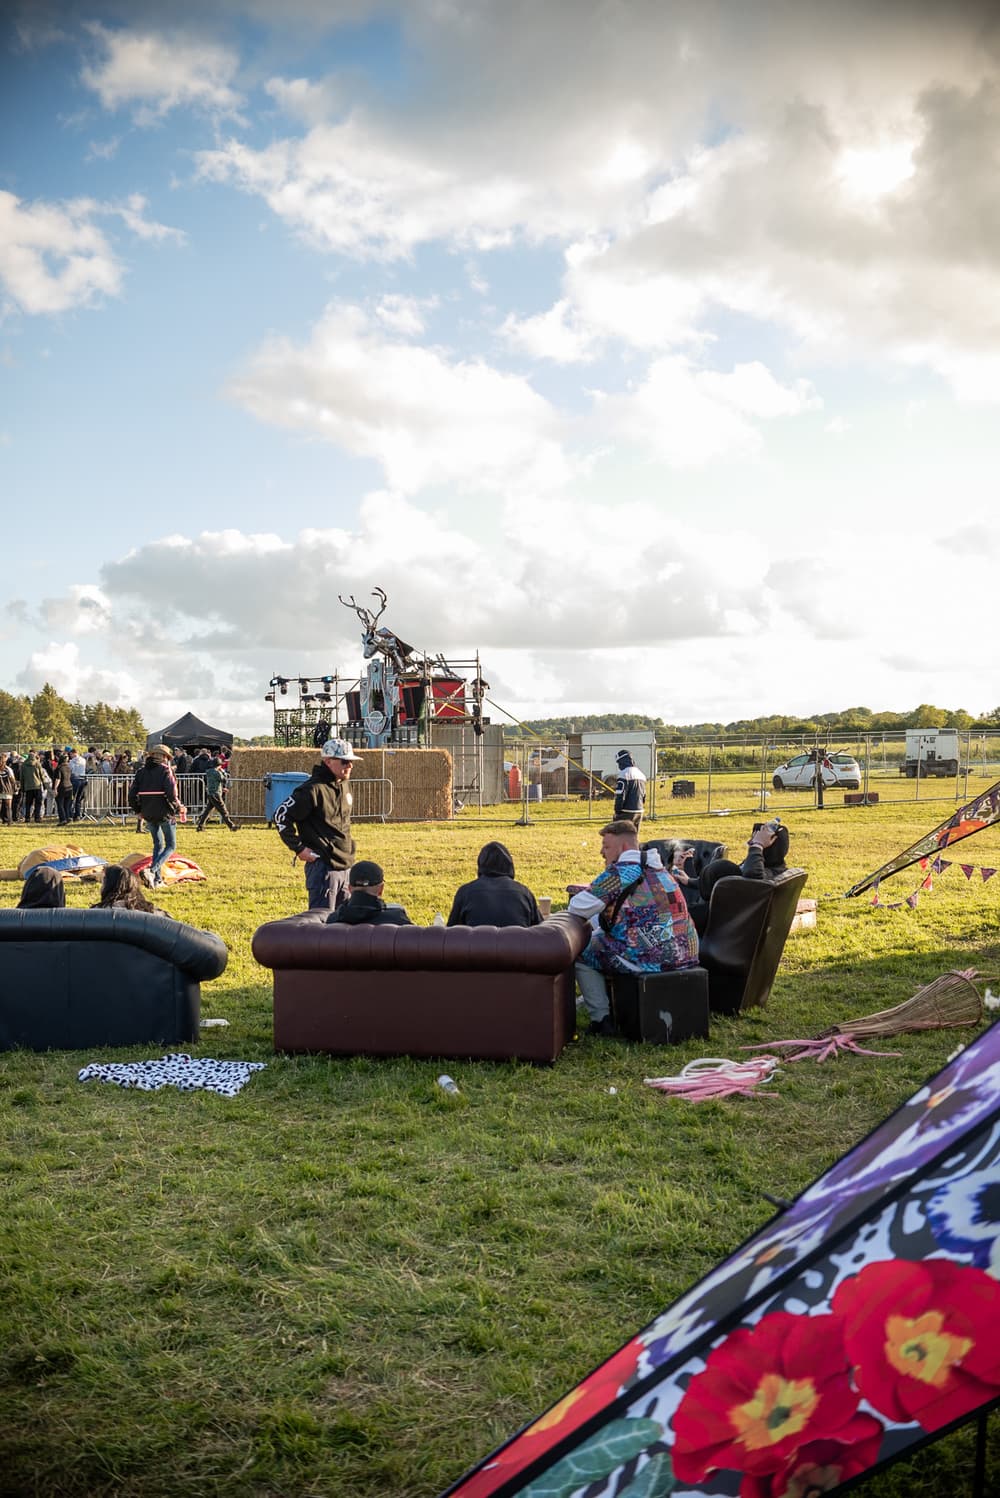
[344,1282]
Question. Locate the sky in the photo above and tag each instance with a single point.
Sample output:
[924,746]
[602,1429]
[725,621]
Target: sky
[649,349]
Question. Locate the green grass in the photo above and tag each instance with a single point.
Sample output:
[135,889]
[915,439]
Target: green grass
[343,1282]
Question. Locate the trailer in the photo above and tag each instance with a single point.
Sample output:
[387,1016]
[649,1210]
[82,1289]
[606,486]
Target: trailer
[930,751]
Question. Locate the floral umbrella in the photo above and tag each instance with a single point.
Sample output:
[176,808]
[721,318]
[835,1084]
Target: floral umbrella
[859,1323]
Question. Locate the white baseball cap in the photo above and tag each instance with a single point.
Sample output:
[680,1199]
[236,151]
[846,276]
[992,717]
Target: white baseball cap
[337,749]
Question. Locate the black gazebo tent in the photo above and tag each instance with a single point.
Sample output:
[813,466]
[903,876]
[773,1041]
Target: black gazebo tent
[190,732]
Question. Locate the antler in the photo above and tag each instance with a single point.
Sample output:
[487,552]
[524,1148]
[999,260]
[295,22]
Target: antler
[363,614]
[379,593]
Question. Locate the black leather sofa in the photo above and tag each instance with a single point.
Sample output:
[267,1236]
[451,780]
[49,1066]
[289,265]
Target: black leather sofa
[74,979]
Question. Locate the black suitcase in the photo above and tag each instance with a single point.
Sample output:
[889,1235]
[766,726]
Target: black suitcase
[660,1008]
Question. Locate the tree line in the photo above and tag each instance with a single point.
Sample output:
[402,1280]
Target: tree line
[852,720]
[47,719]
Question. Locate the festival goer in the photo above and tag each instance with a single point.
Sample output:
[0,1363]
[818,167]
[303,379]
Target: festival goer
[644,923]
[33,783]
[153,797]
[121,890]
[43,890]
[494,898]
[64,789]
[630,790]
[315,822]
[8,787]
[78,774]
[365,905]
[767,850]
[216,781]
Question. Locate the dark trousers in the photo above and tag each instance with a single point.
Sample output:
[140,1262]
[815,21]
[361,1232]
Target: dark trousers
[5,810]
[79,796]
[326,887]
[216,803]
[32,803]
[64,806]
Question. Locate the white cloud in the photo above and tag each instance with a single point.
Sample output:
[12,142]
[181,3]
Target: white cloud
[549,335]
[426,417]
[404,314]
[687,417]
[53,257]
[61,664]
[156,73]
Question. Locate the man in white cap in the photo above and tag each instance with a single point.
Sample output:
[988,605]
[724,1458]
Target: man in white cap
[315,822]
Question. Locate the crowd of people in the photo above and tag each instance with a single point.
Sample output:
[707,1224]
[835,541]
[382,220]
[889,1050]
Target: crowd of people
[647,906]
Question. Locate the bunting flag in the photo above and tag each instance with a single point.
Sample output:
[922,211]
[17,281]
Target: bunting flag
[938,866]
[968,869]
[987,874]
[982,811]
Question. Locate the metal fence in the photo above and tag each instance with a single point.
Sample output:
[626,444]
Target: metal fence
[107,799]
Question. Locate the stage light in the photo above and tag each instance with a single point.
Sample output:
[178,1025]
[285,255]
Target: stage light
[303,684]
[328,682]
[269,697]
[284,688]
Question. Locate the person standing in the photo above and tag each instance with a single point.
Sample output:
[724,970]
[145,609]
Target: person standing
[33,783]
[78,774]
[63,781]
[216,781]
[8,785]
[630,790]
[315,822]
[153,797]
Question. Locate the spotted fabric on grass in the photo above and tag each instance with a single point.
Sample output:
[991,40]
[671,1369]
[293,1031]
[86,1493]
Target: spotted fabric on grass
[227,1078]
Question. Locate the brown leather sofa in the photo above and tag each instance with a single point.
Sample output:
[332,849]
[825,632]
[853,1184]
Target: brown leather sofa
[485,992]
[748,925]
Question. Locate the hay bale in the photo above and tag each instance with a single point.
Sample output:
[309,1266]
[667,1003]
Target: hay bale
[420,780]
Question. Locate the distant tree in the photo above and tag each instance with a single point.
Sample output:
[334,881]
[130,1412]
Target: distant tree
[17,723]
[927,716]
[52,715]
[960,719]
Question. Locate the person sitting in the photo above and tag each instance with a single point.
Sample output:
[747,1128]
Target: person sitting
[364,905]
[121,890]
[767,850]
[43,890]
[494,898]
[644,923]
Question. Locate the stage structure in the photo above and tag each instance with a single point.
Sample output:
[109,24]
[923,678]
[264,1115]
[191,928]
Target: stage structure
[406,699]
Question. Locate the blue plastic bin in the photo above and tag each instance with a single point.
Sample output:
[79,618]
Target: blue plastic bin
[278,787]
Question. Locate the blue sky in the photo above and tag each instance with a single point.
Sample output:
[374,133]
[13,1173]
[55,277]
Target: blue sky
[653,354]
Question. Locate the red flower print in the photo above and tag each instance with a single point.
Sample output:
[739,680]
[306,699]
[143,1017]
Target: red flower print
[566,1416]
[924,1339]
[821,1466]
[767,1391]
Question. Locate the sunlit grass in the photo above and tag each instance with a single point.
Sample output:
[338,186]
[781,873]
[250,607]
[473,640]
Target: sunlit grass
[344,1282]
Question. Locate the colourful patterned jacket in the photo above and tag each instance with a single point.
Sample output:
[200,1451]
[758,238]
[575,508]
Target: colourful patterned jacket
[652,930]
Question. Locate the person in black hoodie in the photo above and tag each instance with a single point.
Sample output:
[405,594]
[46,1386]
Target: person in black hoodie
[43,890]
[315,822]
[365,906]
[495,898]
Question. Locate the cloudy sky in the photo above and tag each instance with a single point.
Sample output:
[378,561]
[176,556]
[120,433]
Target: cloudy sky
[650,347]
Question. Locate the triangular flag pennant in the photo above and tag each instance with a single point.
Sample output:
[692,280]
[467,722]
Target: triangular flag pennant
[987,874]
[928,883]
[968,869]
[923,863]
[936,866]
[943,863]
[911,900]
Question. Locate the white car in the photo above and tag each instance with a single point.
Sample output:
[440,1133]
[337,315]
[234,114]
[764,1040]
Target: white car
[799,774]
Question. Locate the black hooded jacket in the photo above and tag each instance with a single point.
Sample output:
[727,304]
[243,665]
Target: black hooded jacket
[495,898]
[43,890]
[317,815]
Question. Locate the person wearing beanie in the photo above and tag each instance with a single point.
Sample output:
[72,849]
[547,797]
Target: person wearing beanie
[630,790]
[43,890]
[364,905]
[494,898]
[315,822]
